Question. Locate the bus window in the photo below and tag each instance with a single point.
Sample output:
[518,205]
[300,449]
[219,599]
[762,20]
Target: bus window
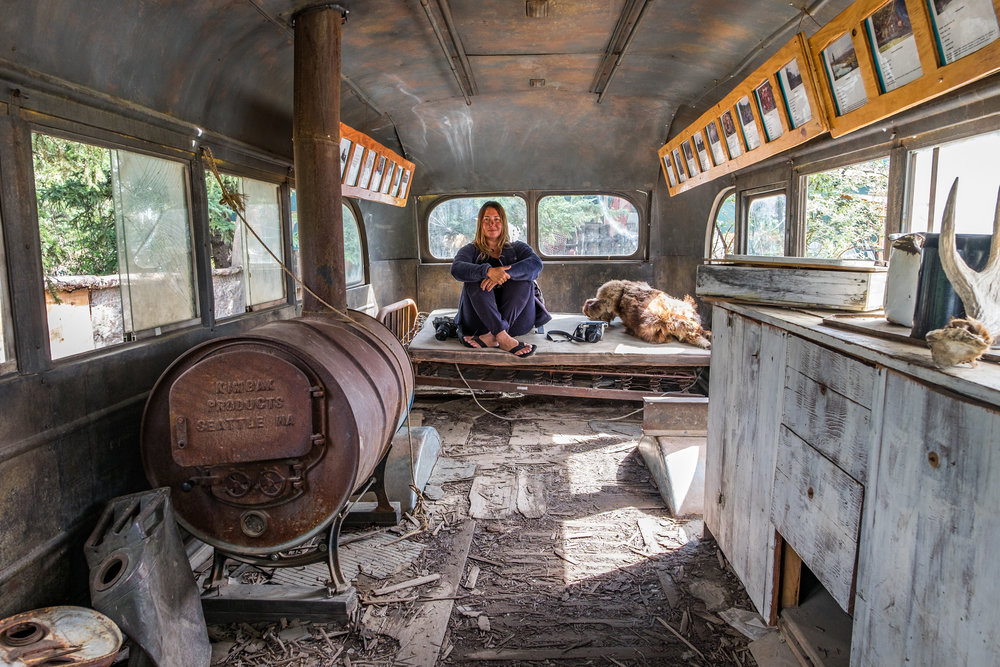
[452,223]
[587,225]
[845,211]
[723,230]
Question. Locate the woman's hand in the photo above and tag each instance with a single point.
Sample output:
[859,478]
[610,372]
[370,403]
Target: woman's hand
[495,275]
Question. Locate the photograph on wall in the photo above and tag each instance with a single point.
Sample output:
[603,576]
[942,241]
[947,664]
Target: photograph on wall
[669,169]
[394,190]
[732,137]
[376,183]
[715,143]
[962,27]
[681,175]
[355,169]
[404,185]
[769,111]
[387,183]
[893,45]
[702,152]
[841,63]
[794,91]
[366,171]
[345,151]
[747,122]
[692,168]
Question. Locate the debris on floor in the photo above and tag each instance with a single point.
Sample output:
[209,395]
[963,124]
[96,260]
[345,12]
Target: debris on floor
[547,543]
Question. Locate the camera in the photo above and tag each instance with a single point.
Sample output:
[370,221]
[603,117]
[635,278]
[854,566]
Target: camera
[444,328]
[590,331]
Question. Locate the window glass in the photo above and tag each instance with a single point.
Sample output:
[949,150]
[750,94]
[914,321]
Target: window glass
[766,225]
[116,243]
[244,274]
[975,163]
[587,225]
[452,223]
[724,228]
[354,257]
[845,211]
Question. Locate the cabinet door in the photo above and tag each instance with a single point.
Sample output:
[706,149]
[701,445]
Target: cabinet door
[744,408]
[928,588]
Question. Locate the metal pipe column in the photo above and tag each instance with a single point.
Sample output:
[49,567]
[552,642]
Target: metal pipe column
[316,137]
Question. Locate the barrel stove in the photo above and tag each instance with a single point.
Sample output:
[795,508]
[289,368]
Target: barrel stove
[263,437]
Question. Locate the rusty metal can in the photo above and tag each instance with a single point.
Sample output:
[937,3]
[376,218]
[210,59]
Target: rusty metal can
[72,636]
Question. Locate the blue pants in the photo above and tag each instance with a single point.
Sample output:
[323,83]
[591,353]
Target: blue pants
[509,307]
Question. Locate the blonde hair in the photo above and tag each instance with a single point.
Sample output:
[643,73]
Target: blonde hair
[480,240]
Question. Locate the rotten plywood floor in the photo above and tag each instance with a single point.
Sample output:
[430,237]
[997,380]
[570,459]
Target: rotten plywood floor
[543,542]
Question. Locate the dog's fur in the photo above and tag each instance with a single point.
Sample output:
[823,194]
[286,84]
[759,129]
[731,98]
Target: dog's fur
[648,313]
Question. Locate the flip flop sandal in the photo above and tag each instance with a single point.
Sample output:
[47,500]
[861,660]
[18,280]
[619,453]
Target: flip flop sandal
[521,346]
[479,344]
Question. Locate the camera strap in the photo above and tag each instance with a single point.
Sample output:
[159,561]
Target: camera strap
[566,337]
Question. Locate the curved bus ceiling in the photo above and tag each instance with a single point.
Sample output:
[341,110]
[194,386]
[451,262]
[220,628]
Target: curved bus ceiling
[226,66]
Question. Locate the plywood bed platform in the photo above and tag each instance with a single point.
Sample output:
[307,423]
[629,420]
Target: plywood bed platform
[619,366]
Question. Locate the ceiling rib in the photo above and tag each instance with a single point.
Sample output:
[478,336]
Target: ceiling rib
[618,45]
[456,39]
[465,86]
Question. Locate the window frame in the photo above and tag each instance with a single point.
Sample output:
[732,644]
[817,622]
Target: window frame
[284,217]
[743,201]
[9,363]
[640,199]
[70,131]
[359,222]
[720,198]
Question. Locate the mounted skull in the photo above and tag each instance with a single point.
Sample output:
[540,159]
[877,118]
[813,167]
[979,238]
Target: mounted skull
[979,290]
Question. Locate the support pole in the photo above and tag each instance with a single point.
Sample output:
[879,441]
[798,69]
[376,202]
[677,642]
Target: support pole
[316,137]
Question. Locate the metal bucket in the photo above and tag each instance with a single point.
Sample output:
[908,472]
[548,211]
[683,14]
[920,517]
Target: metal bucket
[263,437]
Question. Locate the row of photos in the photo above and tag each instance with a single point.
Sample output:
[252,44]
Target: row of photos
[961,27]
[738,127]
[378,173]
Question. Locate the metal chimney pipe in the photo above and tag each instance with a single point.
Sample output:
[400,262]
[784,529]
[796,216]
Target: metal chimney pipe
[316,137]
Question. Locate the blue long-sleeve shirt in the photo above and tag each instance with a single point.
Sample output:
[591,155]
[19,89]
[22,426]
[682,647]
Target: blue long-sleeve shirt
[524,263]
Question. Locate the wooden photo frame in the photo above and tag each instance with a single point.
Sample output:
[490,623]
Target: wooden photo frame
[384,185]
[785,86]
[907,52]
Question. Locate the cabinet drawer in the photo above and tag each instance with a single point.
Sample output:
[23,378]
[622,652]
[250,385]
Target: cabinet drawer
[845,375]
[816,507]
[827,403]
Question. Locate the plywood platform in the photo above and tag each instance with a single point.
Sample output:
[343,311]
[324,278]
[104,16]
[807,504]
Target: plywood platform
[616,349]
[617,367]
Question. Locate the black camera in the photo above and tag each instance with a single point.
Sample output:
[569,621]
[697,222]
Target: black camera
[590,331]
[445,328]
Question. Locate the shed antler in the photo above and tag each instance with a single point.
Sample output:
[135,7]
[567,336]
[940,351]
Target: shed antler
[979,290]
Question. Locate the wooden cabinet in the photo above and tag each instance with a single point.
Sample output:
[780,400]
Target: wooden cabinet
[928,590]
[878,469]
[748,362]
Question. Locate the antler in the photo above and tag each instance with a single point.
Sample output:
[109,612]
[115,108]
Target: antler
[979,290]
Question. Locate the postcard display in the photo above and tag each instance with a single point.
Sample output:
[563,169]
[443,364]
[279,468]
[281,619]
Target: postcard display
[369,170]
[880,57]
[772,110]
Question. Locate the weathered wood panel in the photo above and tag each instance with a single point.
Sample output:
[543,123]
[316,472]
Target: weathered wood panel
[744,410]
[783,286]
[841,373]
[817,508]
[927,585]
[833,424]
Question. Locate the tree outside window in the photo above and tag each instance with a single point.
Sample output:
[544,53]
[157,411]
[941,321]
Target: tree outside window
[845,211]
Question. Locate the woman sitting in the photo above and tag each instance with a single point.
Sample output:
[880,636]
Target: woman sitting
[498,299]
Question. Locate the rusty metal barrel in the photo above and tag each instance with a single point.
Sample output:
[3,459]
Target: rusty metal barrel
[263,437]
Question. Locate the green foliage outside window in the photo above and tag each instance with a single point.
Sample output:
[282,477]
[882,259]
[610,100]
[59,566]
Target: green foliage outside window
[845,211]
[76,218]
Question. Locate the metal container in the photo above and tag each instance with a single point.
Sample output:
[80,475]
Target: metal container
[263,437]
[71,636]
[140,577]
[937,301]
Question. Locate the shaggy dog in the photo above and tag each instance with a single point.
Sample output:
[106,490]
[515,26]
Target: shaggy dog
[648,313]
